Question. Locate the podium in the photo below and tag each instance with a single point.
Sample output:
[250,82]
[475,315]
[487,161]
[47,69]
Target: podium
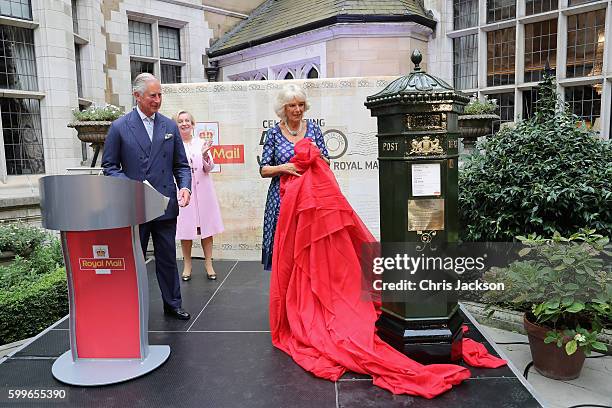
[98,219]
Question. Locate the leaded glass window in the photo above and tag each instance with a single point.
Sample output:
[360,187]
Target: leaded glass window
[505,108]
[141,38]
[499,10]
[540,6]
[138,67]
[170,74]
[16,8]
[585,102]
[530,102]
[540,48]
[17,59]
[577,2]
[79,78]
[169,43]
[465,14]
[585,43]
[75,17]
[465,62]
[500,56]
[22,133]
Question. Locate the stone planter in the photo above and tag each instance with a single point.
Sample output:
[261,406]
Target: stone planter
[471,127]
[6,257]
[93,132]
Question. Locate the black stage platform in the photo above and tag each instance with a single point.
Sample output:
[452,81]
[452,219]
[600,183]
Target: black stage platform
[223,357]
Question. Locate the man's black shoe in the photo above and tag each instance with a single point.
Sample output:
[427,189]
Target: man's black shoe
[178,313]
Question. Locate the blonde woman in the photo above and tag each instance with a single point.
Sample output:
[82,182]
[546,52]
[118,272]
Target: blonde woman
[202,217]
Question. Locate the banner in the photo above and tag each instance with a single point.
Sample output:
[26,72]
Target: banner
[238,115]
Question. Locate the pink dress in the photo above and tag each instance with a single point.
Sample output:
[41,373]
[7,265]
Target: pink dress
[203,209]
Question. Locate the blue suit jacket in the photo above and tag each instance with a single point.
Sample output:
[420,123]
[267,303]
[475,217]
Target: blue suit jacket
[129,153]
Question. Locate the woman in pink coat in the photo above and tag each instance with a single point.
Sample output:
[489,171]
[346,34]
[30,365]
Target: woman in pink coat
[202,216]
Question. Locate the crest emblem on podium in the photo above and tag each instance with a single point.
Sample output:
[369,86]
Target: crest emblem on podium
[101,252]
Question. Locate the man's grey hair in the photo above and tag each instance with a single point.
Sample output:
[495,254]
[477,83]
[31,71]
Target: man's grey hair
[288,94]
[140,82]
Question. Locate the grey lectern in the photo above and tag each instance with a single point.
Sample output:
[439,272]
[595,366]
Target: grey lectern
[98,218]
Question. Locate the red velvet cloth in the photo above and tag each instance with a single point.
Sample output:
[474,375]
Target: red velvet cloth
[318,314]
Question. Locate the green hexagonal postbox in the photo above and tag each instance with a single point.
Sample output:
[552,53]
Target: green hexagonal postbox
[418,177]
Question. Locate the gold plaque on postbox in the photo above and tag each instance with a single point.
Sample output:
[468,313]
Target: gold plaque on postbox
[426,214]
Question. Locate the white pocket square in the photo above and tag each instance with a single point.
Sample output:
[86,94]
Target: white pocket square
[168,136]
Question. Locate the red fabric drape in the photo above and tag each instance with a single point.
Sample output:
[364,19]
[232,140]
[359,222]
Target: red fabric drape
[318,314]
[476,355]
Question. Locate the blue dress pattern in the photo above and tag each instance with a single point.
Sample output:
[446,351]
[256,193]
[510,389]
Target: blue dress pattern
[278,150]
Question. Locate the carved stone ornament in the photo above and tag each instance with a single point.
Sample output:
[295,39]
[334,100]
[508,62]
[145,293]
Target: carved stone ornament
[426,146]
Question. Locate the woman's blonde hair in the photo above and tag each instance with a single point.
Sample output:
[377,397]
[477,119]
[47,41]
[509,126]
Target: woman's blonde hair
[179,113]
[288,94]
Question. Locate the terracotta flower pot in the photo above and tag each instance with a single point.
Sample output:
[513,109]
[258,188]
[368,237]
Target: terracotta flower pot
[548,359]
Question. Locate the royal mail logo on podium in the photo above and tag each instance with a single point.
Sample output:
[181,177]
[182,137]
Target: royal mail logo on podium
[101,262]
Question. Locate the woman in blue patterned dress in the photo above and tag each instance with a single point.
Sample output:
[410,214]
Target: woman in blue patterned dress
[291,103]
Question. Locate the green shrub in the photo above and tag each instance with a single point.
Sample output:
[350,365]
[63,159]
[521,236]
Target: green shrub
[45,258]
[547,174]
[20,238]
[30,307]
[33,291]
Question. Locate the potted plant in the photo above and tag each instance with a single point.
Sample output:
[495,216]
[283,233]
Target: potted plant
[477,120]
[92,125]
[564,286]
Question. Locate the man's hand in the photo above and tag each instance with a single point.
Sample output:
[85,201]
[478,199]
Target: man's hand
[184,196]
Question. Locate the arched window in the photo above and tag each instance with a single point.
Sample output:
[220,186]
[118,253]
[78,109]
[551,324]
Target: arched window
[288,75]
[313,73]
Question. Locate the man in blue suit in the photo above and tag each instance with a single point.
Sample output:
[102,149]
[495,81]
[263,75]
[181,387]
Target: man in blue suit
[146,145]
